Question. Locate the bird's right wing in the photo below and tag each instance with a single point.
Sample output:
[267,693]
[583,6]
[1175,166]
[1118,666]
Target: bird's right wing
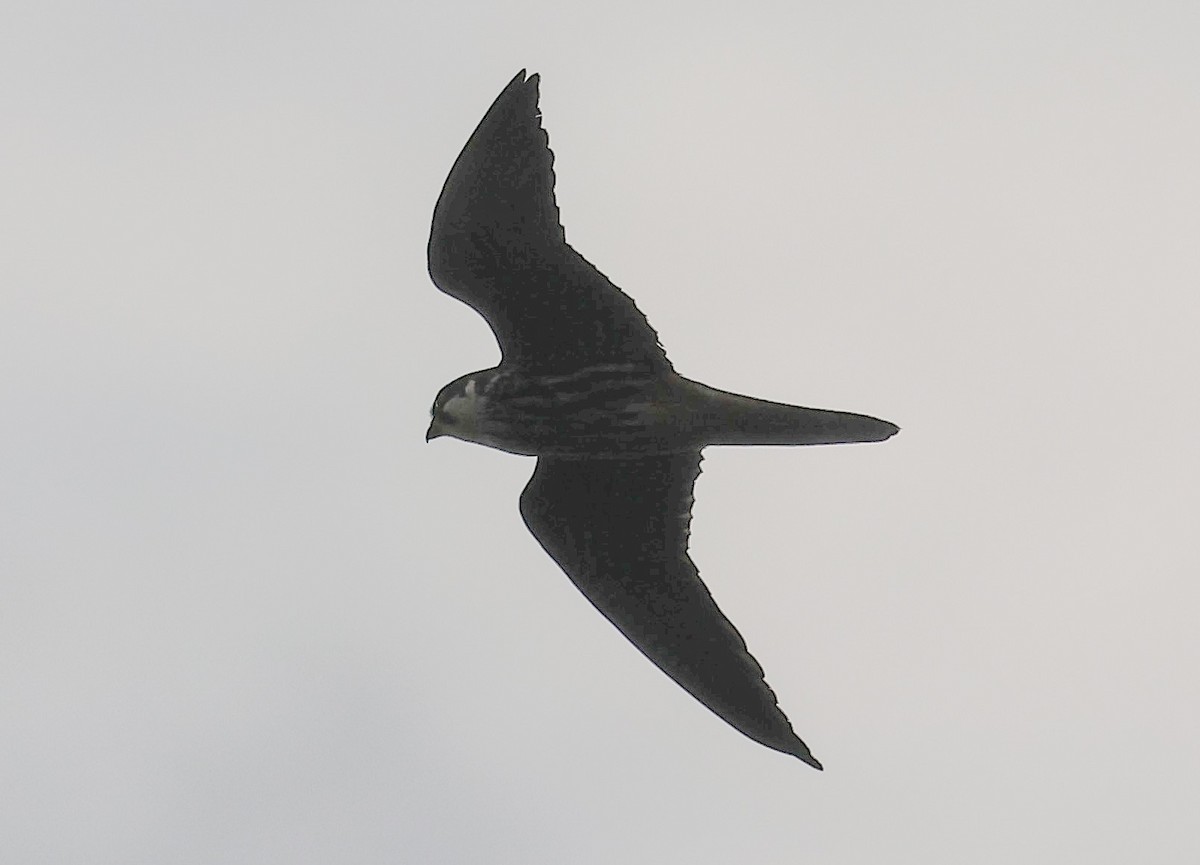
[497,245]
[619,529]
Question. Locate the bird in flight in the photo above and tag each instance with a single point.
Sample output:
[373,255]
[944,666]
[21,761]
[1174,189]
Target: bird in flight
[584,385]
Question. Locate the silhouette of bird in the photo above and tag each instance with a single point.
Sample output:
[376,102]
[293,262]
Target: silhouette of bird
[585,386]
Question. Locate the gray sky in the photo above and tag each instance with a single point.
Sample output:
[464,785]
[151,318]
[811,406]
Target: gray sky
[247,615]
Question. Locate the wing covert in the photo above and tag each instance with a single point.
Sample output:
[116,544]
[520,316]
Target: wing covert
[497,245]
[619,529]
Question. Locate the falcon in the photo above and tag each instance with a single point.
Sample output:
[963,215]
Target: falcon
[585,386]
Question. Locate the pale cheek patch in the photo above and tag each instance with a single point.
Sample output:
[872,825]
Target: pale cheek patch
[466,406]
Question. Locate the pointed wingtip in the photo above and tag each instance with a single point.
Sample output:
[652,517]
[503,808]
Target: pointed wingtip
[812,761]
[794,745]
[800,751]
[520,80]
[521,85]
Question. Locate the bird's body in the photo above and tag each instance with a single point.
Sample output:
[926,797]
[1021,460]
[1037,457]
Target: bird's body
[620,411]
[585,386]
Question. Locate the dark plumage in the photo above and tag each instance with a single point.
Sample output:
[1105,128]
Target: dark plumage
[497,245]
[585,386]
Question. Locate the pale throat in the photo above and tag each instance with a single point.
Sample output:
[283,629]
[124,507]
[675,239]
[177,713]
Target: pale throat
[467,407]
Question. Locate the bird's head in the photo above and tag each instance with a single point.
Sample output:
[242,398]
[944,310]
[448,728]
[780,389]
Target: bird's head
[458,409]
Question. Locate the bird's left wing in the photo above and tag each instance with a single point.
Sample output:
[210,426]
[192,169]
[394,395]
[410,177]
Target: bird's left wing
[497,245]
[619,529]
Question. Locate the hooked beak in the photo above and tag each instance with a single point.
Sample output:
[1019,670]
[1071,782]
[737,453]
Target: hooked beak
[434,430]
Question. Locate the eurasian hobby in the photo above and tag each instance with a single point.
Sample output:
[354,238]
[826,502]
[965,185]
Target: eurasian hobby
[584,385]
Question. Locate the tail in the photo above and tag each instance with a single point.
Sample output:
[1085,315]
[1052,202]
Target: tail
[725,418]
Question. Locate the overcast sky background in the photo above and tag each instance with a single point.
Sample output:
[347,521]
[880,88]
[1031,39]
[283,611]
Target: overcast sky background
[248,616]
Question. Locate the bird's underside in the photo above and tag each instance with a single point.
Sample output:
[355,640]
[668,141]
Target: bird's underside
[585,386]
